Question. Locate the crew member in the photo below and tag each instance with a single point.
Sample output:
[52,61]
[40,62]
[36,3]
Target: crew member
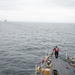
[56,51]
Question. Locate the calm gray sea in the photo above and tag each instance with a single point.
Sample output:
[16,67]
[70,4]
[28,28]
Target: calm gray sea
[23,44]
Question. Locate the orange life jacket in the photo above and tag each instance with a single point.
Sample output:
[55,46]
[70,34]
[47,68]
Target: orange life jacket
[57,49]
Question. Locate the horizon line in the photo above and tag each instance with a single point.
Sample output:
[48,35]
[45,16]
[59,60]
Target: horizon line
[36,22]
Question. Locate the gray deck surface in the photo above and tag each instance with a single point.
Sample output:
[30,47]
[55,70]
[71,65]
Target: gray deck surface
[60,66]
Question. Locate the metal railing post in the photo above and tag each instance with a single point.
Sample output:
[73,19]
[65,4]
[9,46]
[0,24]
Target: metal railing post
[66,54]
[35,69]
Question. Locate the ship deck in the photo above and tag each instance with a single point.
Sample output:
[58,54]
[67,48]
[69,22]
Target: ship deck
[63,68]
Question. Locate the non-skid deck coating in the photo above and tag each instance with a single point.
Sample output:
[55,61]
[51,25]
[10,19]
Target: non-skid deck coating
[61,67]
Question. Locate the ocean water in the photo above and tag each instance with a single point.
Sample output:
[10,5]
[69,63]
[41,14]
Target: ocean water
[23,44]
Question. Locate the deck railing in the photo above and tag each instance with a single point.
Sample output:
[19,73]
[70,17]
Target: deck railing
[64,56]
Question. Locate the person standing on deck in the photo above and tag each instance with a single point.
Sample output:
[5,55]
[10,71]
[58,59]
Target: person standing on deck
[56,51]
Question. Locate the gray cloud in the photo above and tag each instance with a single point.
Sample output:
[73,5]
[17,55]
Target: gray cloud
[65,3]
[59,3]
[11,4]
[18,4]
[38,10]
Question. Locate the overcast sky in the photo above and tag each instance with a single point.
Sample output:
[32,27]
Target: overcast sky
[38,10]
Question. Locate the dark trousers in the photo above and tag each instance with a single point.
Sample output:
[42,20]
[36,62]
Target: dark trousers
[56,54]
